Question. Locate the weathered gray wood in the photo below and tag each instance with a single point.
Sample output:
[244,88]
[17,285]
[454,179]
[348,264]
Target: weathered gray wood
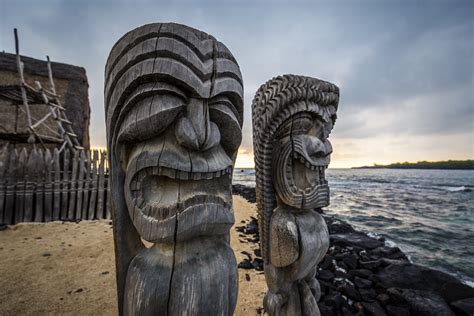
[87,183]
[108,214]
[100,195]
[48,186]
[20,187]
[290,159]
[30,188]
[80,184]
[65,185]
[8,216]
[171,170]
[93,194]
[72,187]
[3,180]
[56,186]
[39,192]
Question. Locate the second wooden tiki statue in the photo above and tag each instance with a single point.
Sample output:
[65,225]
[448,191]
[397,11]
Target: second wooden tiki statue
[292,118]
[174,103]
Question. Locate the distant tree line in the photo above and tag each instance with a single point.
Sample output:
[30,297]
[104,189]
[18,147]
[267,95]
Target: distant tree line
[448,164]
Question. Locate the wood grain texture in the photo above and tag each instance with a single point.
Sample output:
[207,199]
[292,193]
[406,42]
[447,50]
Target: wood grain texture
[30,188]
[56,186]
[80,184]
[292,118]
[39,192]
[87,183]
[93,194]
[170,92]
[73,187]
[20,187]
[8,215]
[48,186]
[65,185]
[3,180]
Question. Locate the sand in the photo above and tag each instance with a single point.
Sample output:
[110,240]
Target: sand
[68,268]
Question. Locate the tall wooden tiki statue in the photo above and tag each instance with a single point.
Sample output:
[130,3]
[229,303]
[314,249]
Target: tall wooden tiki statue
[292,118]
[173,102]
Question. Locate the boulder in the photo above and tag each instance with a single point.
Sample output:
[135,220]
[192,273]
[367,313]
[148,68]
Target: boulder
[355,239]
[425,303]
[373,309]
[411,276]
[336,226]
[464,306]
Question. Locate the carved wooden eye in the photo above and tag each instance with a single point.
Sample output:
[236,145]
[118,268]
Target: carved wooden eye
[222,114]
[150,116]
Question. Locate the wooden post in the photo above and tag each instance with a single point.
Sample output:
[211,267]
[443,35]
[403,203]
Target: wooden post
[100,198]
[8,216]
[57,186]
[48,186]
[87,184]
[72,188]
[65,184]
[93,198]
[20,187]
[80,183]
[30,187]
[3,180]
[39,193]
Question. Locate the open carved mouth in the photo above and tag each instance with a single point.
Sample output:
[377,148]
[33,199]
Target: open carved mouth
[307,176]
[160,192]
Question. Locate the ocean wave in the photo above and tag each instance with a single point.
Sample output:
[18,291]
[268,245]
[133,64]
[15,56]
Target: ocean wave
[456,189]
[468,282]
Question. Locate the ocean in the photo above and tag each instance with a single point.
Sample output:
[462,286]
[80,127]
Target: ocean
[429,214]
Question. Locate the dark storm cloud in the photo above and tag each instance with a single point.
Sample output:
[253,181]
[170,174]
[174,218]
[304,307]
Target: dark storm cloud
[402,66]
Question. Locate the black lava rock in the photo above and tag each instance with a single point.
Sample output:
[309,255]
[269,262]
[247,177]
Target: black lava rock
[426,303]
[373,309]
[336,226]
[397,311]
[355,239]
[245,264]
[363,273]
[362,283]
[349,291]
[464,306]
[325,275]
[411,276]
[350,261]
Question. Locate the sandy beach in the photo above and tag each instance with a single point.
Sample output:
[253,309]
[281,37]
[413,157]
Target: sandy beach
[69,268]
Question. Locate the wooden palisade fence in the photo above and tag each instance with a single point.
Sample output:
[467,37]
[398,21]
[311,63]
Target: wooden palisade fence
[44,185]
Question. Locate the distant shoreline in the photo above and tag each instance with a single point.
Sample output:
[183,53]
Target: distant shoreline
[437,165]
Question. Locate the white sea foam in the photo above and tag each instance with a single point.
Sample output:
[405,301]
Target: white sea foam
[470,283]
[390,243]
[373,235]
[455,189]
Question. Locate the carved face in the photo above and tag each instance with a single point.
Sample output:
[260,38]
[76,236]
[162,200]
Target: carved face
[180,168]
[302,153]
[174,113]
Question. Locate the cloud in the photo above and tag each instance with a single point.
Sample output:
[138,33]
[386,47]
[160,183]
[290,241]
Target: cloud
[405,69]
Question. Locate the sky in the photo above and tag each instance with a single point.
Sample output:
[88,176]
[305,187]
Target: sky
[405,69]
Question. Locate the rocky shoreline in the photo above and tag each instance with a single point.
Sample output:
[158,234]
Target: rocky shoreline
[362,275]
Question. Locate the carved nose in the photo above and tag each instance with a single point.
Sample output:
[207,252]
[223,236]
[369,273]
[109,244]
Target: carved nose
[195,130]
[318,148]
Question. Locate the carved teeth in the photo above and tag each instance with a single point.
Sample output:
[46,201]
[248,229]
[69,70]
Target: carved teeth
[176,174]
[183,175]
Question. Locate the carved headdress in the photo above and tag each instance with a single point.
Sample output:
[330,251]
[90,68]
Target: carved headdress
[147,59]
[274,104]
